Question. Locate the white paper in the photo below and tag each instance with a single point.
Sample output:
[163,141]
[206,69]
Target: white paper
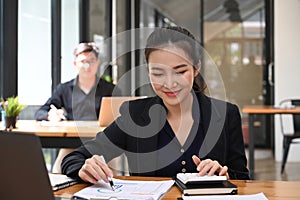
[69,123]
[259,196]
[59,124]
[127,189]
[57,179]
[191,177]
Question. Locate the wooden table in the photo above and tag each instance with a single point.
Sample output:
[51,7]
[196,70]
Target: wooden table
[67,134]
[254,110]
[273,190]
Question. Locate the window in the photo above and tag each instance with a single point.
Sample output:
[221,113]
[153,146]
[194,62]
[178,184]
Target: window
[34,51]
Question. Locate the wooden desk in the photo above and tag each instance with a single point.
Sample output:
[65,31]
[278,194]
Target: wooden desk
[273,190]
[67,134]
[254,110]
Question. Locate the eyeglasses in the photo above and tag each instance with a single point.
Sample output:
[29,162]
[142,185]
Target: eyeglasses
[86,63]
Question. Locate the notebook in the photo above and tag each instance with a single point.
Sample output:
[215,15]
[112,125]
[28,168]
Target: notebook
[22,170]
[225,187]
[192,184]
[110,106]
[60,181]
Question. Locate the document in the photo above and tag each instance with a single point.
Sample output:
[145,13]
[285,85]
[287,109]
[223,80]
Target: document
[59,124]
[259,196]
[69,123]
[126,189]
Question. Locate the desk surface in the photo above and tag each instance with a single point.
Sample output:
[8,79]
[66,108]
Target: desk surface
[261,109]
[273,190]
[61,129]
[254,110]
[66,134]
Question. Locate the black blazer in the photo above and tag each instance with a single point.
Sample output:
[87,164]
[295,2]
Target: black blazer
[136,131]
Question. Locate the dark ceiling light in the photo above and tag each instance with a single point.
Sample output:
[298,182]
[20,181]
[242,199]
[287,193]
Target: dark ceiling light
[232,8]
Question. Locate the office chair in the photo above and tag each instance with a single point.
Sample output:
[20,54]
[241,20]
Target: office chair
[289,137]
[29,112]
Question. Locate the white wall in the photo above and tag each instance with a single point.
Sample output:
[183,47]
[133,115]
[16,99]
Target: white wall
[287,63]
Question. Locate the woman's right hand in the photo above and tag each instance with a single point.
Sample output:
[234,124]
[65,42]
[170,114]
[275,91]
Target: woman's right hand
[95,169]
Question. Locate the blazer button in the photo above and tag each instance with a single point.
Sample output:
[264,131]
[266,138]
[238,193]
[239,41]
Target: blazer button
[182,150]
[183,162]
[183,170]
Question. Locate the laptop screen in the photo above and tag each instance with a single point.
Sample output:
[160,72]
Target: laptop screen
[22,170]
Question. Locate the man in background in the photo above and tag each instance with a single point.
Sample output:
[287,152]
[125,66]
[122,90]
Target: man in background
[79,98]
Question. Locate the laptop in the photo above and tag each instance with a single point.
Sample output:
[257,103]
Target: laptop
[23,172]
[110,106]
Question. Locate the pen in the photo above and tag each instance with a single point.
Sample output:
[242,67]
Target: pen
[109,178]
[54,108]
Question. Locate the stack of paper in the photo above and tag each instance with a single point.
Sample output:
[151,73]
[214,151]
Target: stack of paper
[127,189]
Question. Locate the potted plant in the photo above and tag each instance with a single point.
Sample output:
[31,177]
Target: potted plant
[12,109]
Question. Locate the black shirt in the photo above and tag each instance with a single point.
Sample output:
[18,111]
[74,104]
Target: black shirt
[184,153]
[76,103]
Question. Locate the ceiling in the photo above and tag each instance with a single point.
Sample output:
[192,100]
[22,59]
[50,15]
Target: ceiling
[214,10]
[188,12]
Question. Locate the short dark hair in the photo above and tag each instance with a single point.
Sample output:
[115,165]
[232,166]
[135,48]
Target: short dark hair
[86,47]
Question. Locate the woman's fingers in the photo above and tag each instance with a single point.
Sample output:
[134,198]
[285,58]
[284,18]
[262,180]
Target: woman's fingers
[104,167]
[95,169]
[87,174]
[205,166]
[196,160]
[215,168]
[211,167]
[86,177]
[224,172]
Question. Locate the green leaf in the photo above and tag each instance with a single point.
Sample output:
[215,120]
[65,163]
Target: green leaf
[13,107]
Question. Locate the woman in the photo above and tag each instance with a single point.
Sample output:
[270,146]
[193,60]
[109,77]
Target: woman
[178,130]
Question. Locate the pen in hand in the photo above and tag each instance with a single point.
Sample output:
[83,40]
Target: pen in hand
[109,178]
[54,108]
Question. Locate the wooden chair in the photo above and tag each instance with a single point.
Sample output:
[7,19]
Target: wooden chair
[289,137]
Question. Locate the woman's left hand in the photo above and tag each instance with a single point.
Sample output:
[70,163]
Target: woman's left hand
[210,167]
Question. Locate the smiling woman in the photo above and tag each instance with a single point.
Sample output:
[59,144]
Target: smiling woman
[178,130]
[173,76]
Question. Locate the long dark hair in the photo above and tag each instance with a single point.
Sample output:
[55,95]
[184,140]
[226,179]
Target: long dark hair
[181,38]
